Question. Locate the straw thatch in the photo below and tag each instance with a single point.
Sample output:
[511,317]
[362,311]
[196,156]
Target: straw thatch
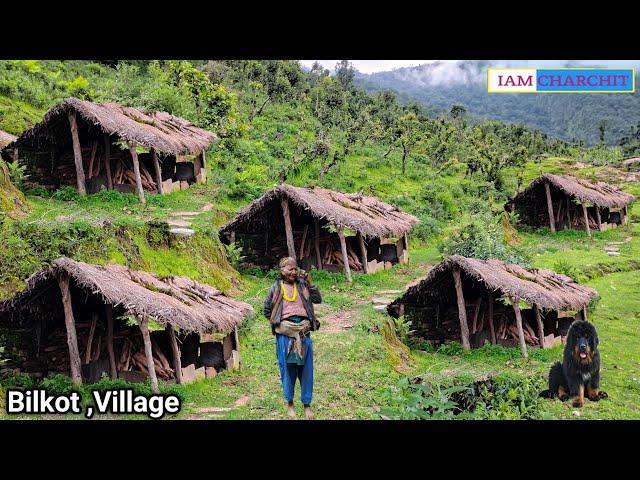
[159,130]
[6,139]
[599,193]
[366,215]
[545,288]
[178,301]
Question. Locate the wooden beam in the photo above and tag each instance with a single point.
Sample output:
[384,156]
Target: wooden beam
[146,337]
[462,310]
[536,310]
[474,325]
[598,218]
[316,224]
[77,154]
[584,313]
[94,147]
[625,220]
[204,160]
[492,328]
[345,256]
[107,160]
[92,331]
[406,245]
[568,212]
[552,223]
[304,239]
[586,219]
[113,371]
[15,156]
[287,227]
[177,362]
[516,309]
[156,166]
[70,324]
[136,172]
[363,253]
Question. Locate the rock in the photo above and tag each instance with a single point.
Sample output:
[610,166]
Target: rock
[210,372]
[575,413]
[613,254]
[380,308]
[381,300]
[178,223]
[200,373]
[182,232]
[207,207]
[188,373]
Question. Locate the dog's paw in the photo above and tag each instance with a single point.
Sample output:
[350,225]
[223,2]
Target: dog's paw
[578,402]
[602,394]
[563,397]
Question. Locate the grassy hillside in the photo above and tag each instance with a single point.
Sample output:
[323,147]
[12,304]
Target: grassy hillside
[276,122]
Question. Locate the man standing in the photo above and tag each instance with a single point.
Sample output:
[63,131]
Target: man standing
[289,308]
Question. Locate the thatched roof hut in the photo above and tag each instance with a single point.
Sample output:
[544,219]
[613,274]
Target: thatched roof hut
[71,291]
[435,302]
[85,133]
[292,210]
[570,202]
[6,139]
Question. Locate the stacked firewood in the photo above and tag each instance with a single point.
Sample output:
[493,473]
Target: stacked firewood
[447,325]
[330,250]
[92,344]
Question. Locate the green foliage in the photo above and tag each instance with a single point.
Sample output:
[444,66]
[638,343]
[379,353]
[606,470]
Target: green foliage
[500,397]
[234,254]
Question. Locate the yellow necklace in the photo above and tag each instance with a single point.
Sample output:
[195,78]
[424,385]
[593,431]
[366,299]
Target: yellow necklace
[284,293]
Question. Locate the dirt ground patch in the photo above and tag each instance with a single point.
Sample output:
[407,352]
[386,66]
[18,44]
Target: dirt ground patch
[338,321]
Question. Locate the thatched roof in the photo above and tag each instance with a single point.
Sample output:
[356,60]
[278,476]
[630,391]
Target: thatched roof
[159,130]
[598,193]
[6,139]
[366,215]
[187,305]
[545,288]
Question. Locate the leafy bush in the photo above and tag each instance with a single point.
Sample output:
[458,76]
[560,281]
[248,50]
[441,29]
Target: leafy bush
[66,194]
[505,396]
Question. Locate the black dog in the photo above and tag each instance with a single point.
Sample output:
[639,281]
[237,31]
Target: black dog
[580,368]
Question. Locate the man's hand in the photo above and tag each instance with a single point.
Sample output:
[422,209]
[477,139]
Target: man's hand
[305,276]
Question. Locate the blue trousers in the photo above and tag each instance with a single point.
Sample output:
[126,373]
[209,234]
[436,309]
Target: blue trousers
[289,372]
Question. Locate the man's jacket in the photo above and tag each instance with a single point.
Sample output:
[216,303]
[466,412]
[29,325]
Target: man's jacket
[273,303]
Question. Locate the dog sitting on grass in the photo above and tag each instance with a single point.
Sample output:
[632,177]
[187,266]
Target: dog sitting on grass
[579,372]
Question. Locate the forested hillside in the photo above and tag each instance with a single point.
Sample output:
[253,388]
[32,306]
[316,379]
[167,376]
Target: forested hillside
[573,118]
[277,122]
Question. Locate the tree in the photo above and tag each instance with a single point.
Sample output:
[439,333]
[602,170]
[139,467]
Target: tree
[602,127]
[408,134]
[345,73]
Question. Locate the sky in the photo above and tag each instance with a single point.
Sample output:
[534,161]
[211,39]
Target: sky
[371,66]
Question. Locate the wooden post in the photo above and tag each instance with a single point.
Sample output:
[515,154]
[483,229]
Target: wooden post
[136,171]
[363,252]
[586,219]
[552,222]
[406,245]
[77,154]
[94,147]
[92,331]
[568,212]
[492,328]
[540,325]
[516,309]
[317,243]
[107,160]
[584,313]
[304,239]
[156,166]
[474,324]
[345,256]
[204,160]
[144,328]
[626,215]
[177,362]
[113,371]
[598,218]
[70,324]
[15,156]
[462,310]
[287,227]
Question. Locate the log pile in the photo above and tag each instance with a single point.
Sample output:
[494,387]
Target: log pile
[92,344]
[330,251]
[438,327]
